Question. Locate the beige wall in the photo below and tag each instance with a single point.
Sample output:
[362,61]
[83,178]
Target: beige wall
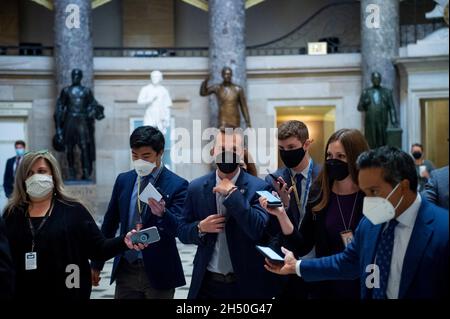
[148,23]
[9,22]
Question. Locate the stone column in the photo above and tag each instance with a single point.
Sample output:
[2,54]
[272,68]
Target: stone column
[226,46]
[380,40]
[73,41]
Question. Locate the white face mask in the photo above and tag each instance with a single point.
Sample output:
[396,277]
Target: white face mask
[143,168]
[378,209]
[39,185]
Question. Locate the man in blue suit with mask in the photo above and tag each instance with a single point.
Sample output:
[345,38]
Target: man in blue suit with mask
[222,216]
[401,247]
[155,272]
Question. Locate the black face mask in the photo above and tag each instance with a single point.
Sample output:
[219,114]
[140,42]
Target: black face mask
[227,162]
[337,169]
[292,158]
[417,155]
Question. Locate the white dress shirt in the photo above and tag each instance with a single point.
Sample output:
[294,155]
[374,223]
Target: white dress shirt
[221,241]
[402,236]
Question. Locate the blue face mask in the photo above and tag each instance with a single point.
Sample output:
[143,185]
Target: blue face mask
[20,152]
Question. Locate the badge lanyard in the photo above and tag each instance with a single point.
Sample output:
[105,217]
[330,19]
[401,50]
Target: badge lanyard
[301,207]
[347,234]
[139,223]
[31,257]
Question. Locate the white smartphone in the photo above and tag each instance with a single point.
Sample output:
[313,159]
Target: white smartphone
[270,254]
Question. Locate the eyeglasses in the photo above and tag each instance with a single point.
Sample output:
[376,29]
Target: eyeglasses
[40,152]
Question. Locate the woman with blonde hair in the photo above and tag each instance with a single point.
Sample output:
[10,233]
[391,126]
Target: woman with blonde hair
[52,235]
[332,213]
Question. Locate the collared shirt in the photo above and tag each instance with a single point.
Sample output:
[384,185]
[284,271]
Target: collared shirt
[134,199]
[302,196]
[402,236]
[221,244]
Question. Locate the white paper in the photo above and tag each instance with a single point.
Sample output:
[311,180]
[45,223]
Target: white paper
[150,192]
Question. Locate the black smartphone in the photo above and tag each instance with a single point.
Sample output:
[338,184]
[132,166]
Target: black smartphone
[146,236]
[270,254]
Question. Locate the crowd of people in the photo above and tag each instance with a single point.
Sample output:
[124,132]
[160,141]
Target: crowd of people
[367,224]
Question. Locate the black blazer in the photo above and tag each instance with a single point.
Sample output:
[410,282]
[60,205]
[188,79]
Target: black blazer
[6,265]
[8,177]
[69,237]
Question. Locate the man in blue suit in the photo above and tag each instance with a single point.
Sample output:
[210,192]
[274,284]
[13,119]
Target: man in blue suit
[223,218]
[401,246]
[11,167]
[436,189]
[293,184]
[156,271]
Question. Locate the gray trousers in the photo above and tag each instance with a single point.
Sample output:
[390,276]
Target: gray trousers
[132,283]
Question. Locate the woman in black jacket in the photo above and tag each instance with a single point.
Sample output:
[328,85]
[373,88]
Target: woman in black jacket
[51,235]
[332,213]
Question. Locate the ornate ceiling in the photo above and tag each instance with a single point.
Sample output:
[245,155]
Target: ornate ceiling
[203,4]
[49,3]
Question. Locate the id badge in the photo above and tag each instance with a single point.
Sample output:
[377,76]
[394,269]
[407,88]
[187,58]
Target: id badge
[347,237]
[31,261]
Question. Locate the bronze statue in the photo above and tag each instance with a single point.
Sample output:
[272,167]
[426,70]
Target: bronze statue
[229,96]
[75,115]
[378,104]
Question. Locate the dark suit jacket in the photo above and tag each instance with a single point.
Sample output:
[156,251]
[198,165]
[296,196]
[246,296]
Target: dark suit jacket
[293,287]
[6,265]
[161,259]
[426,263]
[8,177]
[244,229]
[436,190]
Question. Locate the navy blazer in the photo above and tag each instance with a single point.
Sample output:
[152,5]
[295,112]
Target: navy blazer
[8,177]
[425,267]
[161,259]
[436,190]
[244,228]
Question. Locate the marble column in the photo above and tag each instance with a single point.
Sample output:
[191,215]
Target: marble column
[73,41]
[380,40]
[226,46]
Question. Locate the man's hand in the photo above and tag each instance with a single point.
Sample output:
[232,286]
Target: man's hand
[130,244]
[283,190]
[276,211]
[158,208]
[224,187]
[212,224]
[95,277]
[287,268]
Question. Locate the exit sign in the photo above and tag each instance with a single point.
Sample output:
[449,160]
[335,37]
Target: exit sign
[317,48]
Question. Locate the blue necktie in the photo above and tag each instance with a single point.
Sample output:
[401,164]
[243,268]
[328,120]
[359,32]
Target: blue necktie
[383,259]
[132,255]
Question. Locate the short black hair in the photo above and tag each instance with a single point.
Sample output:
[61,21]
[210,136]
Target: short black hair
[397,165]
[20,142]
[147,136]
[418,145]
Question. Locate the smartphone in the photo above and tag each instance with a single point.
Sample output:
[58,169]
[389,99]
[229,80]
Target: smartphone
[146,236]
[270,254]
[272,201]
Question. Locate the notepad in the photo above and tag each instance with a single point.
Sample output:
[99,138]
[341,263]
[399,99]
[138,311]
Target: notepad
[150,192]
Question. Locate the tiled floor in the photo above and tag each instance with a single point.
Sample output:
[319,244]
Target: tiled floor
[106,291]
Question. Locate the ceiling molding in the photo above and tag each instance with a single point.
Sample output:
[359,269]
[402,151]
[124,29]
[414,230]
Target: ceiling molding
[49,3]
[203,4]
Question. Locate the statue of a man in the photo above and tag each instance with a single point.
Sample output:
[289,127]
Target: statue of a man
[231,97]
[378,104]
[75,115]
[158,102]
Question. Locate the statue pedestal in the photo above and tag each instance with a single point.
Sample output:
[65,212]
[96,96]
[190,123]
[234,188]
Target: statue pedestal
[394,137]
[85,191]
